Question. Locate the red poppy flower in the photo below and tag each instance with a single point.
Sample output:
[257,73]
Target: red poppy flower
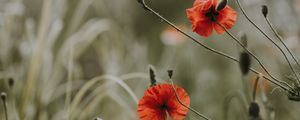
[160,100]
[204,17]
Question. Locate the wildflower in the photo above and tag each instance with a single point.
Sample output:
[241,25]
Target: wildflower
[160,101]
[205,17]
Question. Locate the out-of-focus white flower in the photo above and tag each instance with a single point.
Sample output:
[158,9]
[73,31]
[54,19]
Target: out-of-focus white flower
[171,36]
[292,42]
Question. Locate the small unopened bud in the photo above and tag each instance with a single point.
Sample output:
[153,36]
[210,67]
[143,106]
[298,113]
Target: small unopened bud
[264,10]
[222,5]
[152,76]
[3,96]
[170,73]
[11,82]
[254,110]
[244,39]
[245,62]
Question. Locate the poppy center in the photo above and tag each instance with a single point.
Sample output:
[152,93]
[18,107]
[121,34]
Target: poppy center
[212,13]
[164,107]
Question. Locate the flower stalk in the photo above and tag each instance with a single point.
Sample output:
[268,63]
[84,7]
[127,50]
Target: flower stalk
[272,80]
[265,12]
[255,86]
[290,89]
[281,40]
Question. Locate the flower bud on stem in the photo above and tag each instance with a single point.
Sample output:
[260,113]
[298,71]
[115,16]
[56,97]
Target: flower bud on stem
[3,98]
[245,62]
[254,111]
[222,5]
[152,76]
[264,10]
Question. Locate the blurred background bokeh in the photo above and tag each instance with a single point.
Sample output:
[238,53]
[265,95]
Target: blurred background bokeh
[82,59]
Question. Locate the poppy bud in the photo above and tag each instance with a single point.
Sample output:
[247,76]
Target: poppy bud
[244,39]
[170,73]
[254,110]
[11,82]
[245,62]
[264,10]
[152,76]
[222,5]
[3,96]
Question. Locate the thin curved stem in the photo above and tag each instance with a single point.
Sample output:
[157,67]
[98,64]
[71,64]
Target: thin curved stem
[190,108]
[5,108]
[254,56]
[255,87]
[281,40]
[244,13]
[276,82]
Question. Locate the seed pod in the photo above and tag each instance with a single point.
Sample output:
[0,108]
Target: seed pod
[264,10]
[245,62]
[222,5]
[254,110]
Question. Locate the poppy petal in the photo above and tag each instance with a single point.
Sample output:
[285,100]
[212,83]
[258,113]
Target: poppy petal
[204,28]
[200,23]
[178,111]
[219,29]
[227,18]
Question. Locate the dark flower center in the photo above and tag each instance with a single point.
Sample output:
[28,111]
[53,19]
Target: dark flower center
[212,13]
[164,107]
